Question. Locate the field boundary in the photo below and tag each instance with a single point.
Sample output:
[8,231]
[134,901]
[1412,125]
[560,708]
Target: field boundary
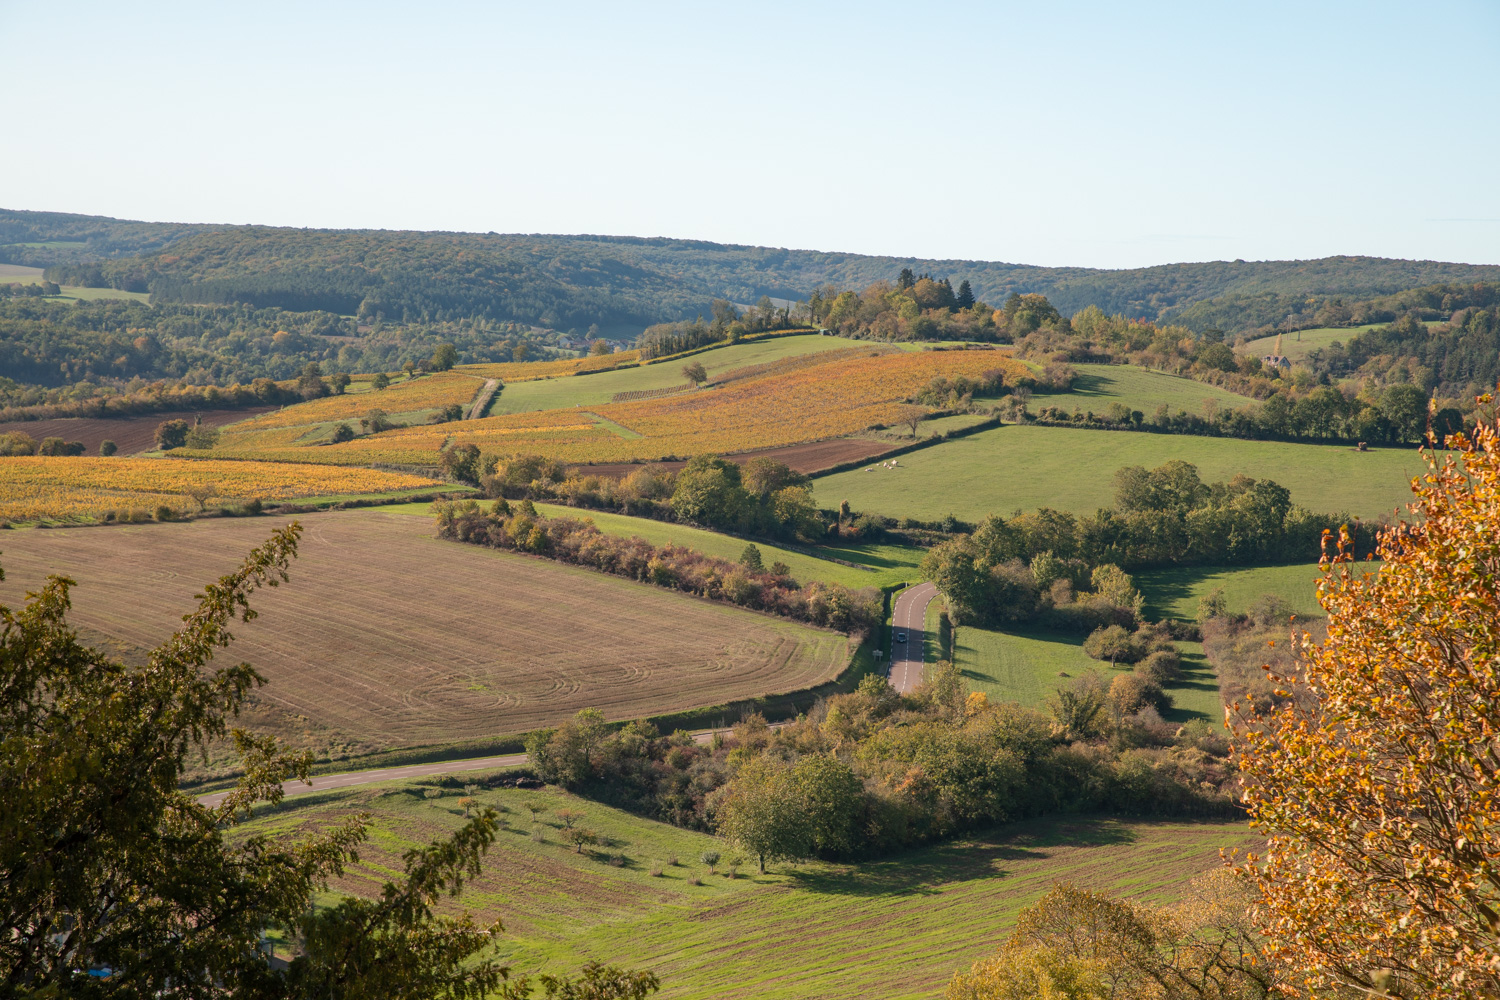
[936,439]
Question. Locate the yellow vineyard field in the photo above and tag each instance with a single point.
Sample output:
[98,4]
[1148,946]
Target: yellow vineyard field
[424,392]
[43,487]
[813,404]
[526,371]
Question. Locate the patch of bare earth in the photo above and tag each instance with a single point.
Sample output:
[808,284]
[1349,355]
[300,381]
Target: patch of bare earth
[130,434]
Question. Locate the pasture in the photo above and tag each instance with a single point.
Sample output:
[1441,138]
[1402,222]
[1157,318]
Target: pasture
[1097,386]
[387,637]
[1300,343]
[1021,468]
[1026,666]
[887,563]
[895,927]
[20,274]
[1175,592]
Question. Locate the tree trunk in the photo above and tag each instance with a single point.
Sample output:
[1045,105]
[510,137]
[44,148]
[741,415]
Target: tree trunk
[762,858]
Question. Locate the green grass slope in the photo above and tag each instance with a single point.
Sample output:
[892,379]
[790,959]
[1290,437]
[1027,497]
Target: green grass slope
[897,927]
[1027,666]
[1096,386]
[1175,592]
[1021,468]
[1301,343]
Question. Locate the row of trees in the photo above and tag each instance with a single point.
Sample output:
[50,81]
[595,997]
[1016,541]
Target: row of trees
[1066,568]
[727,325]
[520,528]
[762,496]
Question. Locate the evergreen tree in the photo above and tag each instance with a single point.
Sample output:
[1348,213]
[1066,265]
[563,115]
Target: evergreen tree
[965,295]
[906,279]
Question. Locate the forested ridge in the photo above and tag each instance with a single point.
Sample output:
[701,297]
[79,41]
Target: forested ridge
[622,284]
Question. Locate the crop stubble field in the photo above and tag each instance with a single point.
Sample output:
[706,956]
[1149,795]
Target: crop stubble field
[895,927]
[387,637]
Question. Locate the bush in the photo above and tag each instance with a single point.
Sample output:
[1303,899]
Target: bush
[17,443]
[165,513]
[1162,666]
[342,433]
[56,446]
[107,448]
[172,434]
[1129,693]
[1114,644]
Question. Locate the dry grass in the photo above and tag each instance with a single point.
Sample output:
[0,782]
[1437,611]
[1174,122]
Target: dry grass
[387,637]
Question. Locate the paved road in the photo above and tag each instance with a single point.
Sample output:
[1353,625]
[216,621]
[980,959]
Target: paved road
[324,782]
[909,616]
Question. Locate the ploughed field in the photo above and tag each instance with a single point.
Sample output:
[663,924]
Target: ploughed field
[130,434]
[895,927]
[387,637]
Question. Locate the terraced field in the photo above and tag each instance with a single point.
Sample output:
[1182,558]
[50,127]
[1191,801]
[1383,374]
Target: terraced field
[387,637]
[894,928]
[1021,468]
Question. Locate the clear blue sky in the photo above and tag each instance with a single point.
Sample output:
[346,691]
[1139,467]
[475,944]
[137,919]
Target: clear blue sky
[1100,134]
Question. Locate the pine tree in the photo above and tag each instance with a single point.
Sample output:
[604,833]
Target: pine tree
[906,279]
[965,295]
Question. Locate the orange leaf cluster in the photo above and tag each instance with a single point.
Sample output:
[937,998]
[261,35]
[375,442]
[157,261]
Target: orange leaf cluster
[1382,799]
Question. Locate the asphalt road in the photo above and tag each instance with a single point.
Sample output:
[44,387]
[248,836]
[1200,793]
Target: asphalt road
[909,616]
[324,782]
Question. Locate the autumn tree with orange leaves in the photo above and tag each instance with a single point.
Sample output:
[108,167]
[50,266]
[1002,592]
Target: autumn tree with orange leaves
[1381,792]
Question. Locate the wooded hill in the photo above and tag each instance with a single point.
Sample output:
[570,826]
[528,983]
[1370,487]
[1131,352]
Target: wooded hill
[622,284]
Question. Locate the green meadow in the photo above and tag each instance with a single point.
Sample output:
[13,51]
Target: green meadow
[1097,386]
[894,927]
[1015,468]
[1300,343]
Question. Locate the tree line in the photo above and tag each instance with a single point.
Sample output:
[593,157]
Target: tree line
[1063,568]
[519,527]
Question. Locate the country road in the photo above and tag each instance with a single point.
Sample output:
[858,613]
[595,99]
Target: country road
[909,616]
[326,782]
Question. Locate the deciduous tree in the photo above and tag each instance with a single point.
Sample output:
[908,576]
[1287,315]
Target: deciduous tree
[1381,789]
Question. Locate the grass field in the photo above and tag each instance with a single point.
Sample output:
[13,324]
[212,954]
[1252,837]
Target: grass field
[1027,666]
[894,928]
[888,564]
[1175,592]
[596,390]
[387,637]
[1021,468]
[1096,386]
[47,488]
[19,274]
[1301,343]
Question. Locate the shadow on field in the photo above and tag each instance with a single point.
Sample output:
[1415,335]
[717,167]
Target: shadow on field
[922,872]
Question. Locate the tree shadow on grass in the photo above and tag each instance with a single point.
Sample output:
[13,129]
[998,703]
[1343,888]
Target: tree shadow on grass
[923,871]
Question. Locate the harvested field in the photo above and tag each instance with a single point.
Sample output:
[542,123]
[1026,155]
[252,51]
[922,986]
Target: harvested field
[812,457]
[387,637]
[130,434]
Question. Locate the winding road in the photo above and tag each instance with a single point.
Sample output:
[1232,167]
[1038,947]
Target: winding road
[909,616]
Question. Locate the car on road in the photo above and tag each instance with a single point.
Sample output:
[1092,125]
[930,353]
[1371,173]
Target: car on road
[900,636]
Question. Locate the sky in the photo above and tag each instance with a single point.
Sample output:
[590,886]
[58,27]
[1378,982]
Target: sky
[1055,133]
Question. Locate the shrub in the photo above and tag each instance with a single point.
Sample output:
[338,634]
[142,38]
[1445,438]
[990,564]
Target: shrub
[342,433]
[1129,693]
[165,513]
[1114,644]
[56,446]
[694,880]
[656,871]
[107,448]
[17,443]
[1162,666]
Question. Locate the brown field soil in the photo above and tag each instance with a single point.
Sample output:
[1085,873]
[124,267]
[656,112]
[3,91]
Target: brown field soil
[809,458]
[130,434]
[387,637]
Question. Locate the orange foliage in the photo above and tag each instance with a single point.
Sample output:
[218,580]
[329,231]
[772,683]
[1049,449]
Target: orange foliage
[1382,799]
